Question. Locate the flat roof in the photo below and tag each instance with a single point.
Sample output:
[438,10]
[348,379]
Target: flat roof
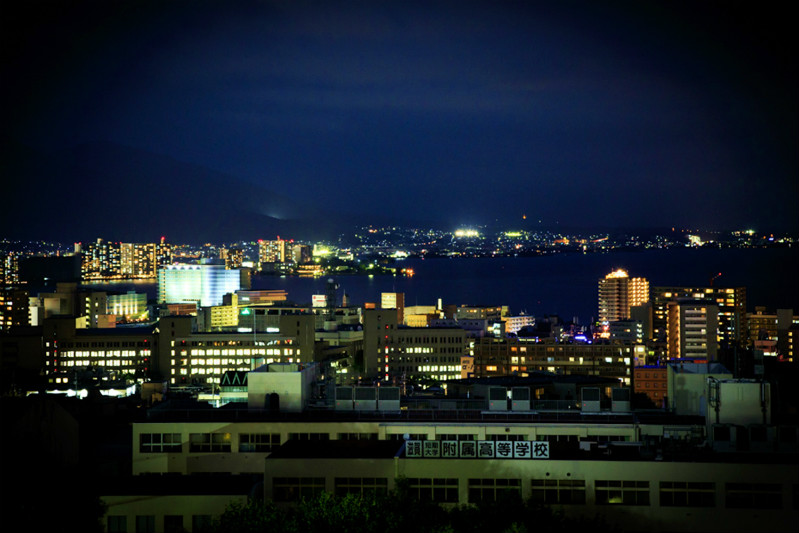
[175,410]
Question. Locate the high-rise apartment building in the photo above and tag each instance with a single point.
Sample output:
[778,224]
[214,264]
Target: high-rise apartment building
[692,329]
[234,257]
[731,303]
[301,254]
[163,253]
[618,292]
[138,260]
[272,251]
[9,268]
[110,260]
[627,331]
[764,326]
[14,308]
[100,259]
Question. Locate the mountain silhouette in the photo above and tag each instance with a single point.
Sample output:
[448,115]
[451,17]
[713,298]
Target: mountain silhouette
[125,194]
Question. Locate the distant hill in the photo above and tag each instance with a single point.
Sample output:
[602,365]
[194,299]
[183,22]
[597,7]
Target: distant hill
[121,193]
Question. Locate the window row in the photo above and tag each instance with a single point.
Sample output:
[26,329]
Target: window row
[268,442]
[146,524]
[208,442]
[286,489]
[544,491]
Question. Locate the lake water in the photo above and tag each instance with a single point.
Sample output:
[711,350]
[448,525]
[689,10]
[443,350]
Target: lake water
[563,284]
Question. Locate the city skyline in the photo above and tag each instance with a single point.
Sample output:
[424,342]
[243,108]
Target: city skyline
[573,114]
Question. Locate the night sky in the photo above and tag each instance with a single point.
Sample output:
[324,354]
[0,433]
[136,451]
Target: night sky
[589,114]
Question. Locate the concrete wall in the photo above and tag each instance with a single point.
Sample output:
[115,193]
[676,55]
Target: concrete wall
[688,391]
[656,517]
[159,506]
[743,403]
[291,388]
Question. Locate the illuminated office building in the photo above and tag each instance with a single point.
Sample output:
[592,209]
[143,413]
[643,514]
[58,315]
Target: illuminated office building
[203,284]
[392,351]
[171,348]
[618,293]
[203,358]
[121,353]
[489,313]
[515,323]
[731,303]
[512,356]
[261,297]
[129,307]
[419,316]
[479,320]
[394,300]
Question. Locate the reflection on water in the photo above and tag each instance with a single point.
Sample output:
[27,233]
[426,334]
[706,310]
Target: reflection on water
[564,284]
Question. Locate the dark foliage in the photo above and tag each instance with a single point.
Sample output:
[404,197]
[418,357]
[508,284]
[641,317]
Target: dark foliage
[396,512]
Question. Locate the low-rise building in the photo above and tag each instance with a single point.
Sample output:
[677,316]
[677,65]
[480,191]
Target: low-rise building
[651,381]
[505,356]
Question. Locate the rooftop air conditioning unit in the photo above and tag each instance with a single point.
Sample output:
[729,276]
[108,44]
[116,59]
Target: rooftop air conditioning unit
[590,399]
[497,399]
[344,399]
[520,398]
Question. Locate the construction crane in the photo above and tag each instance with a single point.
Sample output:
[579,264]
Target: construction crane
[712,278]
